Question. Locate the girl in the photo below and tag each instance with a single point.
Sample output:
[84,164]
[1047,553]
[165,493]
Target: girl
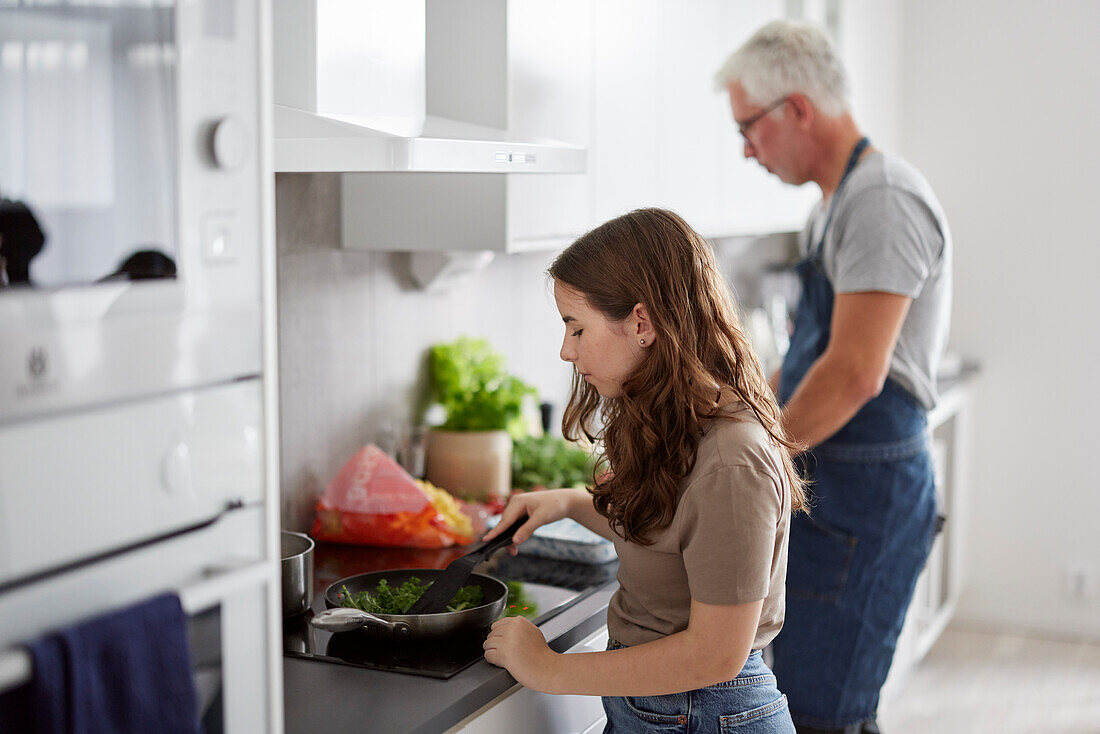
[695,488]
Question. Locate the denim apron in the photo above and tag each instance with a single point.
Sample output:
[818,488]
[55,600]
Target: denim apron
[854,560]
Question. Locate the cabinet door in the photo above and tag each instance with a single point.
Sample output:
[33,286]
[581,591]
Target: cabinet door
[550,65]
[623,160]
[692,119]
[752,200]
[632,80]
[663,136]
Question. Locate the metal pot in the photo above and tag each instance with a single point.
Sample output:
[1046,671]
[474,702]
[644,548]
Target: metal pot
[297,568]
[471,622]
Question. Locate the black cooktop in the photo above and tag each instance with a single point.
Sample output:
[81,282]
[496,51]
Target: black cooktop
[553,585]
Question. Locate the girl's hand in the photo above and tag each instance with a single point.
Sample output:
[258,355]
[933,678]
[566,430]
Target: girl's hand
[517,645]
[541,507]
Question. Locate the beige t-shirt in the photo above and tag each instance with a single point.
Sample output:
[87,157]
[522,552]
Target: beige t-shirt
[727,543]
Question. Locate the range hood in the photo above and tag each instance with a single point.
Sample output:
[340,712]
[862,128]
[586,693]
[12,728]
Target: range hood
[405,85]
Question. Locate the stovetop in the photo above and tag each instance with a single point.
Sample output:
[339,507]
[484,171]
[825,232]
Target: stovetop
[554,586]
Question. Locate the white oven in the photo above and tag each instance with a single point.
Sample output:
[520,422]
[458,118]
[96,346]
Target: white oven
[137,426]
[103,508]
[131,183]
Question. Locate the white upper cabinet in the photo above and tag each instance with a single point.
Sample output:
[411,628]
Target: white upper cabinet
[550,48]
[662,136]
[702,171]
[753,201]
[631,81]
[692,119]
[621,157]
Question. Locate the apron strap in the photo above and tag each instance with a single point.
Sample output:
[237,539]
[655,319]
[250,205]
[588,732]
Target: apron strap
[853,159]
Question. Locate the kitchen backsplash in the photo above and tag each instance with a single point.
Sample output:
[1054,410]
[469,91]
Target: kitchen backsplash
[758,268]
[353,330]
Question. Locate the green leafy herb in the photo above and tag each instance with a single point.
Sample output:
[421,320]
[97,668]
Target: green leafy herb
[519,603]
[549,461]
[397,600]
[466,597]
[470,382]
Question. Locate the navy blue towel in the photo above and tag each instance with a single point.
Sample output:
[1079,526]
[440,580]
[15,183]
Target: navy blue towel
[127,672]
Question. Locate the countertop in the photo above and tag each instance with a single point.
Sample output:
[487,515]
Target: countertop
[341,698]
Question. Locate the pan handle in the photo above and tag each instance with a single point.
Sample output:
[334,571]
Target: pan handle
[347,619]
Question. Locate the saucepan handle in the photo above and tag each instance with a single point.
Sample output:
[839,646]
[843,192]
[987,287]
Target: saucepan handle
[347,619]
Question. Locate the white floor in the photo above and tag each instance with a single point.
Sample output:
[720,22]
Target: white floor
[982,683]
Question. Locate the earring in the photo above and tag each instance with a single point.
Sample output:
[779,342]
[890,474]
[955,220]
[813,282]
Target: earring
[642,342]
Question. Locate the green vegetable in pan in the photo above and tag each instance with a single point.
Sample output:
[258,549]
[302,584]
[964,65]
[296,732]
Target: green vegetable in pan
[390,600]
[397,600]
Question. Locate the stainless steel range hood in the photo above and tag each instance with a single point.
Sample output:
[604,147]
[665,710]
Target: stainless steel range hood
[411,86]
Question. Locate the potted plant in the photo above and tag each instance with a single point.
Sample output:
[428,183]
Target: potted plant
[470,453]
[548,461]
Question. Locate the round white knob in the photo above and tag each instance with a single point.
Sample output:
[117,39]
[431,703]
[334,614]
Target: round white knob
[228,143]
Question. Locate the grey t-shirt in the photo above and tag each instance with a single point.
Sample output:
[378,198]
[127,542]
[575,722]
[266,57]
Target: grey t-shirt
[889,233]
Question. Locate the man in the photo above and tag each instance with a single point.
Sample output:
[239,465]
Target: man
[858,378]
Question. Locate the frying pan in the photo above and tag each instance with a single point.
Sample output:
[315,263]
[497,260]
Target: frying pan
[438,626]
[425,625]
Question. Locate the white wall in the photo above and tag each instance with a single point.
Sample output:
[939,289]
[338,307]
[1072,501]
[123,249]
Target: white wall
[1001,110]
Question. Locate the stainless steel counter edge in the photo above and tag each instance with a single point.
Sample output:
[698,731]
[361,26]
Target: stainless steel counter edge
[354,699]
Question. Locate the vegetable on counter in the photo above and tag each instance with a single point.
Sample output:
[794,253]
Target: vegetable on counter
[549,461]
[397,600]
[449,509]
[374,501]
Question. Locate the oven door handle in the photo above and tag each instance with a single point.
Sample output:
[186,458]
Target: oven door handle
[222,581]
[218,583]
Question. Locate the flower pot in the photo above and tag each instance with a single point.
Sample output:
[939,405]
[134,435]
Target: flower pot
[473,464]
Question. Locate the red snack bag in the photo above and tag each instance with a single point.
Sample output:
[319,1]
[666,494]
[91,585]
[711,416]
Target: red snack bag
[373,501]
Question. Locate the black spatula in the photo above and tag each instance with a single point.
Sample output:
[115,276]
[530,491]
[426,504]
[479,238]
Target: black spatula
[447,584]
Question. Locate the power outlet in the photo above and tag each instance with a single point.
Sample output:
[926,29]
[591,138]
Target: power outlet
[1080,583]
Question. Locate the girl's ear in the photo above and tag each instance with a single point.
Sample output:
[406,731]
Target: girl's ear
[643,327]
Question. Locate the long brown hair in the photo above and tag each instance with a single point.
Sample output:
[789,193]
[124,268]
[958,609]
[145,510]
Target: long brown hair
[650,433]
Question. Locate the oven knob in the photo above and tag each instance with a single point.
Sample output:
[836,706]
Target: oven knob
[228,143]
[175,469]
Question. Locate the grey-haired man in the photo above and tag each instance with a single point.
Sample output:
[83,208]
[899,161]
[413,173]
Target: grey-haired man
[858,378]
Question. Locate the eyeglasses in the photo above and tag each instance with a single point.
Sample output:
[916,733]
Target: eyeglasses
[745,126]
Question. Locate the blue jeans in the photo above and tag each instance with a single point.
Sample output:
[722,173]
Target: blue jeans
[749,704]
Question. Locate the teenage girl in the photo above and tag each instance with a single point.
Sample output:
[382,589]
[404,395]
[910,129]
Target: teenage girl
[695,487]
